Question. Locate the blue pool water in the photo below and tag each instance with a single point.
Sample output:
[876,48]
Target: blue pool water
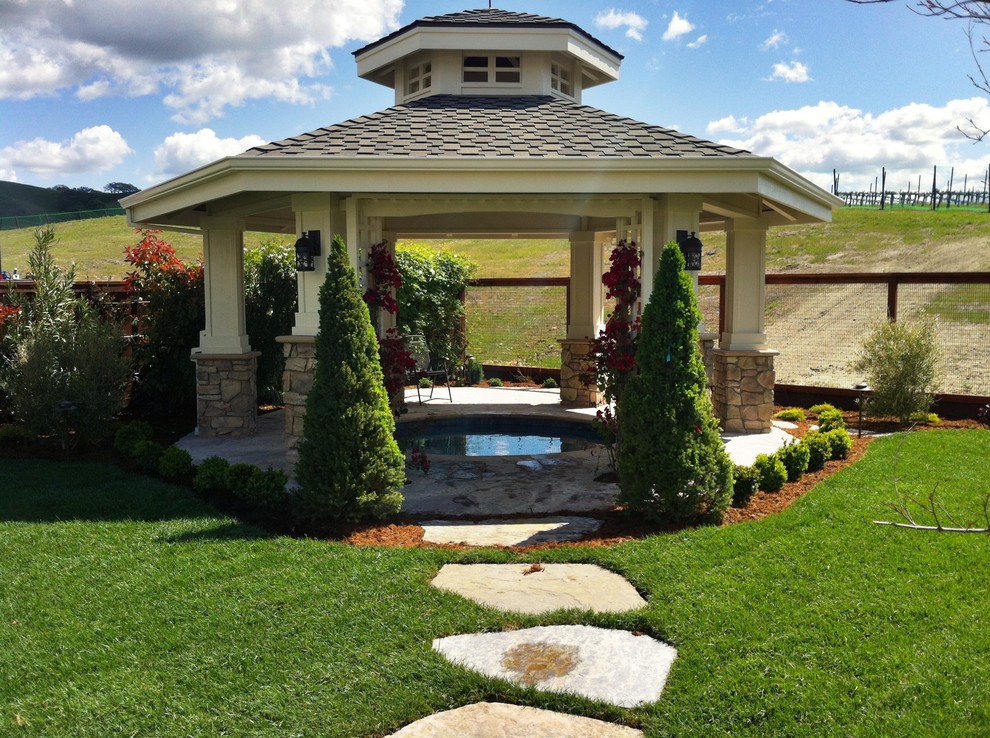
[495,436]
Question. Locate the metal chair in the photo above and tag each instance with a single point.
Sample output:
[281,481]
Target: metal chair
[420,352]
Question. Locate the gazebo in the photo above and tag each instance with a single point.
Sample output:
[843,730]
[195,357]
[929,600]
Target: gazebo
[487,138]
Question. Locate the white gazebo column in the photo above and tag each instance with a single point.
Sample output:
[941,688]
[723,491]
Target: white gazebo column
[226,367]
[663,217]
[314,212]
[584,322]
[744,374]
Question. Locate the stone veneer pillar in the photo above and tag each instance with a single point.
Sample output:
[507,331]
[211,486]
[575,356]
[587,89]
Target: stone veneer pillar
[297,381]
[575,369]
[707,344]
[226,394]
[742,391]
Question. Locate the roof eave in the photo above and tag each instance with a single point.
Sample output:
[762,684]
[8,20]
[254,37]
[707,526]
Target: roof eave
[763,176]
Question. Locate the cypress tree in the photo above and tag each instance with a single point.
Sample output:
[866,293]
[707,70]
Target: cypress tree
[350,466]
[673,467]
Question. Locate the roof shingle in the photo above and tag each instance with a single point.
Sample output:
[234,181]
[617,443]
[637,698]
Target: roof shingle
[452,126]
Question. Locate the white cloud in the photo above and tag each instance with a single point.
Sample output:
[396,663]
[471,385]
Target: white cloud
[728,124]
[634,23]
[908,140]
[182,152]
[205,55]
[774,40]
[677,27]
[699,42]
[793,71]
[95,149]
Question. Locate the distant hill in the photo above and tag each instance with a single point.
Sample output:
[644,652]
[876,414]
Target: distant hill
[22,199]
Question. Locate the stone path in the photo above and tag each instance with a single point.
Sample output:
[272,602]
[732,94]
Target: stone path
[511,532]
[497,720]
[614,666]
[540,588]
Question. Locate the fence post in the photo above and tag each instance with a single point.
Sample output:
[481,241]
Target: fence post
[892,299]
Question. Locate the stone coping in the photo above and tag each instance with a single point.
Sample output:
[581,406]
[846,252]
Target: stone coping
[196,355]
[295,339]
[747,352]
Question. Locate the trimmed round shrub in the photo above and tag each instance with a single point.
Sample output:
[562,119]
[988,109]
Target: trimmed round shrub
[830,420]
[146,455]
[425,383]
[792,414]
[129,435]
[821,408]
[771,471]
[745,482]
[266,489]
[237,477]
[550,383]
[819,450]
[175,464]
[494,382]
[794,457]
[840,443]
[211,475]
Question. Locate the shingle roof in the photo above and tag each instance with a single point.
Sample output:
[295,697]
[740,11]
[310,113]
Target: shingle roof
[487,18]
[453,126]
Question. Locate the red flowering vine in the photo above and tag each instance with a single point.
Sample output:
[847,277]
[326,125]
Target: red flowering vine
[419,460]
[396,361]
[385,278]
[614,351]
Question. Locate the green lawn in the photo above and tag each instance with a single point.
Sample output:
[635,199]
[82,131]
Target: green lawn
[127,607]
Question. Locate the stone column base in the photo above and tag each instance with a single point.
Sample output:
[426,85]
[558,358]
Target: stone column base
[742,390]
[575,366]
[297,381]
[708,342]
[226,394]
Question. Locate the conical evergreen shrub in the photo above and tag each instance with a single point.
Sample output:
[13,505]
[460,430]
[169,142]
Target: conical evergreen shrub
[673,467]
[349,467]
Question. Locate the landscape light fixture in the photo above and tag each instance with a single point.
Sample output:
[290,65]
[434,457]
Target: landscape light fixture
[691,247]
[307,249]
[862,390]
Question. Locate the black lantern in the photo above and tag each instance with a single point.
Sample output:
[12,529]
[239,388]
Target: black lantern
[691,248]
[307,249]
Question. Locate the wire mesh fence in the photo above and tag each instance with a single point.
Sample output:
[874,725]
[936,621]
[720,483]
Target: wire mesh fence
[517,322]
[818,322]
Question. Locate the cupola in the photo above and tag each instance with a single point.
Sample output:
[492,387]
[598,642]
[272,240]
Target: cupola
[488,52]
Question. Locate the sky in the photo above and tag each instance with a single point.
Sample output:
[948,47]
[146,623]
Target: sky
[140,91]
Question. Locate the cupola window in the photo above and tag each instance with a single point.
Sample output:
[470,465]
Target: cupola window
[492,69]
[419,78]
[560,80]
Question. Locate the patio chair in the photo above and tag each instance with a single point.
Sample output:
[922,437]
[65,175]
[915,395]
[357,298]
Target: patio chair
[416,344]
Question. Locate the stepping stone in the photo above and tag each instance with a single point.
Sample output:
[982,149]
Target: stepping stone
[513,532]
[539,588]
[494,719]
[613,666]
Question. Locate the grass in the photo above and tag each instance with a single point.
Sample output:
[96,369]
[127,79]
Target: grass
[127,607]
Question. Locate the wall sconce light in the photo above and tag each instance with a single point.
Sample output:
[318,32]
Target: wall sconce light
[691,247]
[307,249]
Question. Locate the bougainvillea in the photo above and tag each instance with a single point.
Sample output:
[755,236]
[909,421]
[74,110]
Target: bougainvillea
[614,351]
[396,360]
[385,279]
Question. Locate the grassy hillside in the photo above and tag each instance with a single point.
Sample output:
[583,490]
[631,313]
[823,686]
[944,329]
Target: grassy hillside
[22,199]
[857,240]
